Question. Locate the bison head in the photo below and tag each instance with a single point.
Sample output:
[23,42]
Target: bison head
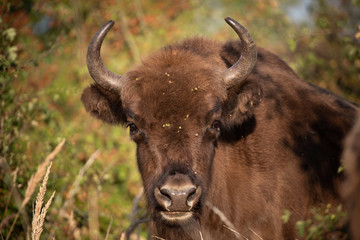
[176,104]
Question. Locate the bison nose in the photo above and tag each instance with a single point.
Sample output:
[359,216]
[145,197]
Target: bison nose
[177,197]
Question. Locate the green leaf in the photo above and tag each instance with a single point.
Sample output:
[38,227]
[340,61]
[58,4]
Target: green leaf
[300,225]
[286,216]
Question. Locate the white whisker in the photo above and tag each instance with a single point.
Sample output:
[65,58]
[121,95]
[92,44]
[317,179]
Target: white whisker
[201,237]
[227,223]
[235,232]
[153,236]
[256,234]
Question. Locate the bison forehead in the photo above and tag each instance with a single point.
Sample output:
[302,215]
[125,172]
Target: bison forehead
[169,85]
[173,102]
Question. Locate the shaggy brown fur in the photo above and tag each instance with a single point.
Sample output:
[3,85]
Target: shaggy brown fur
[351,158]
[278,146]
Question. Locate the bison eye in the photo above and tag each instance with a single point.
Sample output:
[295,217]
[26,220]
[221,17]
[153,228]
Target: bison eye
[132,127]
[216,125]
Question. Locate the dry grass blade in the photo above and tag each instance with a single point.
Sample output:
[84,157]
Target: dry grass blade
[122,236]
[227,223]
[9,197]
[134,222]
[135,204]
[66,211]
[16,196]
[93,212]
[75,186]
[40,212]
[108,229]
[256,234]
[6,220]
[35,179]
[156,237]
[235,232]
[201,236]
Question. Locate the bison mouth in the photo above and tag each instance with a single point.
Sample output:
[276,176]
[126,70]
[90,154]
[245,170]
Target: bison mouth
[177,224]
[176,216]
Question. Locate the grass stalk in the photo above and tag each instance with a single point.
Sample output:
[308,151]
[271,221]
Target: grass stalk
[9,197]
[108,229]
[227,223]
[40,211]
[66,210]
[34,181]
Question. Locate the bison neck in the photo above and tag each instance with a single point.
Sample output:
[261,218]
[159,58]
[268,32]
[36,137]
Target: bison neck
[282,161]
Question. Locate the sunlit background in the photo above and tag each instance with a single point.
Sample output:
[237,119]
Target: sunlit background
[42,62]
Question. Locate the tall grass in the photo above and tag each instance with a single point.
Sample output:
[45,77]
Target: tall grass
[39,213]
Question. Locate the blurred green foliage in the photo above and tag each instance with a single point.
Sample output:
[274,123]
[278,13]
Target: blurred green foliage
[326,223]
[328,53]
[42,62]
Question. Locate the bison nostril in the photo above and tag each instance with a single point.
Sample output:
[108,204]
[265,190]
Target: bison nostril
[167,192]
[162,198]
[191,192]
[194,197]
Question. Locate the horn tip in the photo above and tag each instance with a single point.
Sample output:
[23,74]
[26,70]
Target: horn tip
[110,22]
[230,21]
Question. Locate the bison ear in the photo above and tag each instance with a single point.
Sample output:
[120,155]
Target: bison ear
[103,104]
[240,103]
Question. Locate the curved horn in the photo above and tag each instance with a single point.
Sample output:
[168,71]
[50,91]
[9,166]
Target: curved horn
[101,75]
[246,62]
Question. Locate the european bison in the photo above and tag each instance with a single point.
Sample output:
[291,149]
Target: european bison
[228,136]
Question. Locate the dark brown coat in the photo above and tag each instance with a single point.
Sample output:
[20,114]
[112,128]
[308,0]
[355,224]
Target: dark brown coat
[242,155]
